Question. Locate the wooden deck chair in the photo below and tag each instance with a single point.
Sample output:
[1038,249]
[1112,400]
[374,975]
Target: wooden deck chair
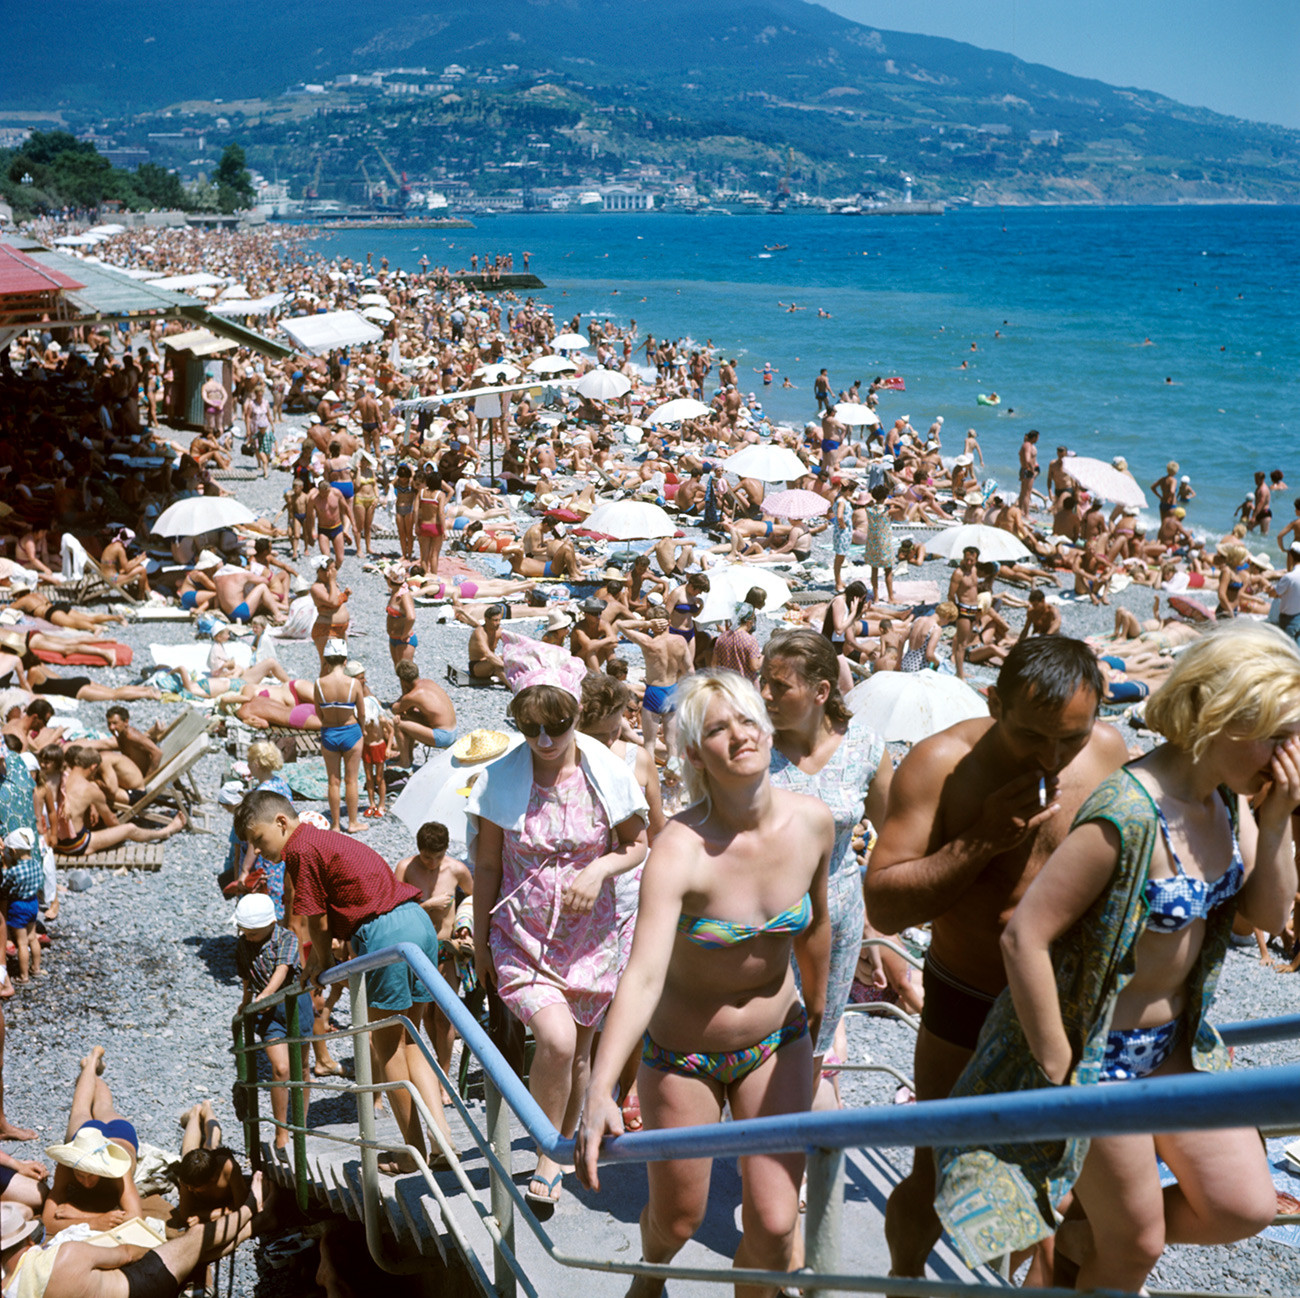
[183,731]
[462,676]
[125,856]
[175,776]
[99,585]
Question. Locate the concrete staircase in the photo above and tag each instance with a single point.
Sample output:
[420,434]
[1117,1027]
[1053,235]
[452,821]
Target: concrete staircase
[603,1226]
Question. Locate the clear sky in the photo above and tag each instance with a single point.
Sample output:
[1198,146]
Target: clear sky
[1240,57]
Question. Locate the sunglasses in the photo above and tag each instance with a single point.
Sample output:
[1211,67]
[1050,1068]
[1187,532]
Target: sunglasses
[554,730]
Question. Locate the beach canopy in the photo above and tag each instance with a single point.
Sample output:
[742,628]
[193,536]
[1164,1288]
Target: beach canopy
[603,385]
[906,707]
[994,545]
[795,504]
[179,283]
[1104,480]
[630,520]
[765,462]
[198,514]
[673,412]
[551,365]
[855,414]
[729,586]
[322,334]
[249,306]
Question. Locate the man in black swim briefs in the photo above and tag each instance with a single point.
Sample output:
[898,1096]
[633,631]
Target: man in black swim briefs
[974,813]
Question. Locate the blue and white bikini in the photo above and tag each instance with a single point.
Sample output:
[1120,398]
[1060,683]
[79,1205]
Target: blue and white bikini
[1174,902]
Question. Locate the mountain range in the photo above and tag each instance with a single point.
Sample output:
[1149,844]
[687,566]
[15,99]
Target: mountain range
[757,84]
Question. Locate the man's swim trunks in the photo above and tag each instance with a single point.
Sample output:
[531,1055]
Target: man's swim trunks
[953,1011]
[660,699]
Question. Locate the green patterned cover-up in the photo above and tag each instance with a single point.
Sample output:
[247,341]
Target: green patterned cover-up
[998,1199]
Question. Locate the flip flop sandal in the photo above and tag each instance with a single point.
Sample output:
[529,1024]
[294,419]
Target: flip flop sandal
[632,1113]
[548,1200]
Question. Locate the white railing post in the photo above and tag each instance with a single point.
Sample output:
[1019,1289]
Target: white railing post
[503,1207]
[825,1216]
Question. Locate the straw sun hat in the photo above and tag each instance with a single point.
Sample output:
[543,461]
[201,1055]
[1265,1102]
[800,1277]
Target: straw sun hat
[480,746]
[92,1152]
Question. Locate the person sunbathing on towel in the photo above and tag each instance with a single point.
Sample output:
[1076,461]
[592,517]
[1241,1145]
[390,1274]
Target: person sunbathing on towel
[61,613]
[241,595]
[84,823]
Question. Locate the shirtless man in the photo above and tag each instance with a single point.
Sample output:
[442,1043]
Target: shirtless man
[439,877]
[327,507]
[84,822]
[368,413]
[240,595]
[1165,489]
[1028,469]
[425,714]
[485,662]
[1263,502]
[85,1270]
[967,830]
[668,658]
[1042,618]
[131,743]
[592,640]
[1058,479]
[963,591]
[562,563]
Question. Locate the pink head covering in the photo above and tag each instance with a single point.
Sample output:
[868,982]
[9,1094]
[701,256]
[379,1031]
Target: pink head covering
[533,662]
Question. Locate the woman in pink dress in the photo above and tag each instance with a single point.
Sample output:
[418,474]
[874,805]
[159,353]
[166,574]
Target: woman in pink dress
[553,822]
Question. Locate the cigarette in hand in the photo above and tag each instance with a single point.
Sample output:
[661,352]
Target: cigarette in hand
[1042,791]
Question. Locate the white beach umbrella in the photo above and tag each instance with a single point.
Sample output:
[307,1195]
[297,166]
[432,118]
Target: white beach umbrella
[569,342]
[498,372]
[370,282]
[204,290]
[728,586]
[994,545]
[380,314]
[765,462]
[551,365]
[235,291]
[673,412]
[200,514]
[630,520]
[1104,480]
[906,707]
[604,385]
[796,504]
[438,791]
[372,299]
[855,414]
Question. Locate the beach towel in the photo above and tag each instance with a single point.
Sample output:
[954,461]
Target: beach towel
[76,658]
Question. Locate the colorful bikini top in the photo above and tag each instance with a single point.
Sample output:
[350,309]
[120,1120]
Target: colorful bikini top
[722,932]
[1175,902]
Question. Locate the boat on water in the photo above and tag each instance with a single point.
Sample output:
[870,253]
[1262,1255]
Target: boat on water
[775,247]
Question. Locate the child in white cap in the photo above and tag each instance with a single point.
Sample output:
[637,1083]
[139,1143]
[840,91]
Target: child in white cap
[268,956]
[21,882]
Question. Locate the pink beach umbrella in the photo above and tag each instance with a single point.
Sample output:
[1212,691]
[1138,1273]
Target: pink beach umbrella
[795,504]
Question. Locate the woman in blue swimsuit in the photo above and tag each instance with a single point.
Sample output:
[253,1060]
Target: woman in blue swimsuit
[338,699]
[733,885]
[1112,958]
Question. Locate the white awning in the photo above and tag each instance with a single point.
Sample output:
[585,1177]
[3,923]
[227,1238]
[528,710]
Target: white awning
[182,282]
[199,342]
[319,334]
[241,306]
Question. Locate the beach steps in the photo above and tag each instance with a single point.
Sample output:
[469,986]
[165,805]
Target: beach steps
[602,1226]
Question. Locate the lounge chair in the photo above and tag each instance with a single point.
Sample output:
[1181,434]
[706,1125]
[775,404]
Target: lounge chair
[174,776]
[128,856]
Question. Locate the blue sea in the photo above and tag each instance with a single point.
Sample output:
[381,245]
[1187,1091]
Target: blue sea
[1050,308]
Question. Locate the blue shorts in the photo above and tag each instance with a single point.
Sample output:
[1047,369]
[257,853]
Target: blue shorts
[660,699]
[395,988]
[189,598]
[331,532]
[118,1129]
[413,640]
[344,488]
[7,1174]
[22,912]
[443,738]
[242,613]
[274,1025]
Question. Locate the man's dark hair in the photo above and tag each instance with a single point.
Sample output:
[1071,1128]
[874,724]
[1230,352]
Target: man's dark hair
[494,610]
[756,597]
[1048,671]
[118,710]
[41,709]
[432,837]
[258,807]
[1037,597]
[200,1166]
[407,671]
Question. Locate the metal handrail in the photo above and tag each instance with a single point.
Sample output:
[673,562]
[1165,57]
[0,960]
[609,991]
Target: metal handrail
[1271,1095]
